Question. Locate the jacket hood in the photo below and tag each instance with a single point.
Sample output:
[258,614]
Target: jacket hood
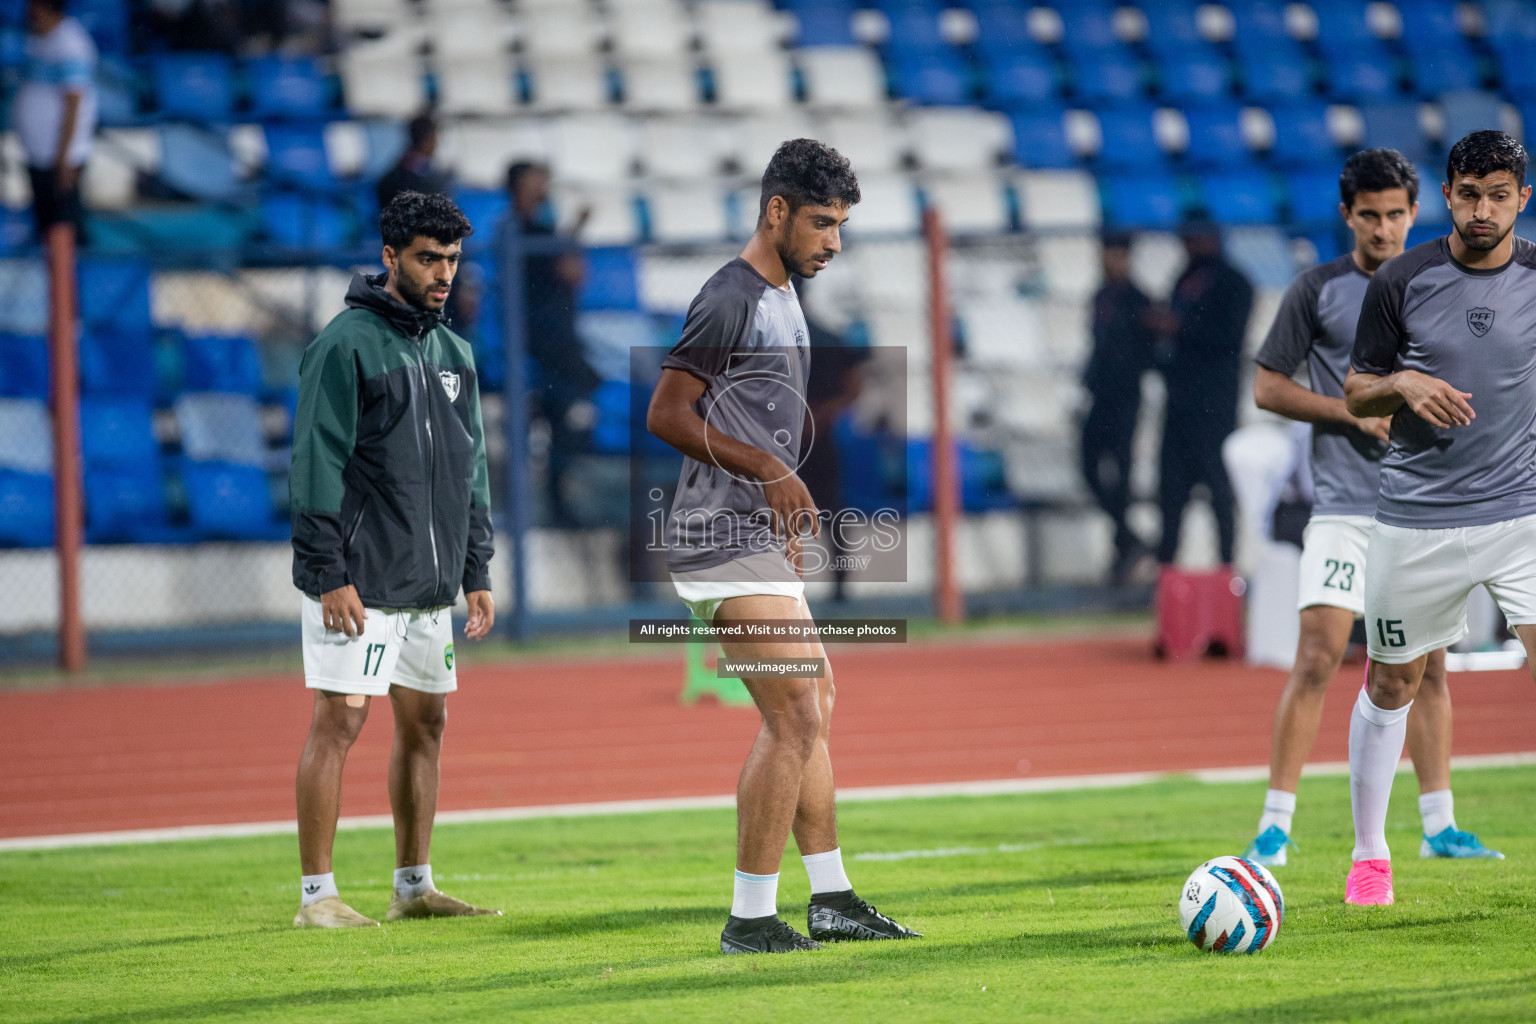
[367,292]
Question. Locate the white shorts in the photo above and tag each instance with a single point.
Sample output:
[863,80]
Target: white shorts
[1333,562]
[399,647]
[763,573]
[1416,597]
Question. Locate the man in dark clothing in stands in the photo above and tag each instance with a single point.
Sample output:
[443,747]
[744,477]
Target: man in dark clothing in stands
[553,271]
[1124,348]
[414,171]
[1208,317]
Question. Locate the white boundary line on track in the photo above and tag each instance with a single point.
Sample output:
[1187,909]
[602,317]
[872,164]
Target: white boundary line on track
[993,787]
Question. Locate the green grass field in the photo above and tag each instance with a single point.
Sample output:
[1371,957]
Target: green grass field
[1055,906]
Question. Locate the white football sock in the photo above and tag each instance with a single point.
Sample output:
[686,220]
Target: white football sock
[1376,739]
[413,881]
[826,872]
[755,895]
[1279,806]
[1438,810]
[316,887]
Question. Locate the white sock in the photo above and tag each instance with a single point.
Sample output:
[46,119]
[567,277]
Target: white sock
[413,881]
[1438,810]
[755,895]
[826,872]
[1279,806]
[1376,739]
[316,887]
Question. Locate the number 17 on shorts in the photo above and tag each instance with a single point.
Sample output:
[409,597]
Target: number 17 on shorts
[342,664]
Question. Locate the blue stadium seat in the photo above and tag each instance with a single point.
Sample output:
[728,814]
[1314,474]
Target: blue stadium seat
[26,435]
[1109,75]
[611,281]
[1517,73]
[610,434]
[386,141]
[1142,200]
[23,366]
[1195,74]
[1259,23]
[287,87]
[194,85]
[1301,135]
[1342,24]
[114,295]
[1128,139]
[1395,125]
[1245,196]
[1278,73]
[26,509]
[1313,195]
[914,26]
[934,76]
[1449,68]
[116,363]
[221,362]
[1468,111]
[1040,138]
[198,162]
[219,427]
[295,221]
[1087,25]
[1428,25]
[1216,136]
[118,431]
[106,21]
[825,24]
[1027,75]
[1432,208]
[296,156]
[126,504]
[230,502]
[1172,25]
[1002,28]
[1509,22]
[485,208]
[1364,73]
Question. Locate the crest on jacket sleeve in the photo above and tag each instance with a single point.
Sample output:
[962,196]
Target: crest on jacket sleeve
[450,383]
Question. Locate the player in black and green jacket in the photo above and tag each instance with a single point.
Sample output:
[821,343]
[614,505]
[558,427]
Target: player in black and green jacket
[391,516]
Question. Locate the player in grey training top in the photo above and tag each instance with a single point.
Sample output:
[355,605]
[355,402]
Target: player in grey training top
[1444,346]
[1378,200]
[731,398]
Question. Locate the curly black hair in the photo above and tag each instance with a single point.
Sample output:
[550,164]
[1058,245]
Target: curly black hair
[1377,170]
[412,214]
[806,171]
[1480,153]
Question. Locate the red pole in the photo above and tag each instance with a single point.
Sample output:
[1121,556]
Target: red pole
[65,399]
[946,483]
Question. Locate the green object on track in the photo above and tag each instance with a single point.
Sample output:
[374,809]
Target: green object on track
[700,679]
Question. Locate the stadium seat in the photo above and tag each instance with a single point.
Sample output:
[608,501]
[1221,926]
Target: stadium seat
[573,84]
[611,281]
[382,84]
[1108,75]
[485,208]
[1142,200]
[287,87]
[1517,74]
[366,149]
[670,86]
[841,77]
[686,213]
[26,509]
[759,134]
[729,27]
[114,294]
[1428,25]
[229,502]
[1193,75]
[106,21]
[198,162]
[368,14]
[1172,25]
[556,32]
[478,86]
[971,203]
[594,148]
[1398,126]
[218,427]
[1259,23]
[1002,28]
[914,27]
[1313,196]
[26,436]
[1277,74]
[1467,111]
[1024,76]
[1057,199]
[1302,136]
[1240,196]
[824,25]
[295,220]
[221,362]
[683,147]
[479,150]
[23,366]
[610,433]
[194,85]
[1364,73]
[118,432]
[1040,138]
[930,76]
[126,504]
[958,138]
[873,143]
[613,219]
[762,81]
[116,363]
[1087,25]
[1128,138]
[889,206]
[296,156]
[1449,68]
[654,31]
[1216,136]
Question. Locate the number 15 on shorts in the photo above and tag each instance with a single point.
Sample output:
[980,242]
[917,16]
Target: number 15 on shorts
[1390,633]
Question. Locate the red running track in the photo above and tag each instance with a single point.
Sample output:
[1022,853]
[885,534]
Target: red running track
[135,757]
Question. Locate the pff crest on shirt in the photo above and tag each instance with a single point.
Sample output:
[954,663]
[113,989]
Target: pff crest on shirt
[451,383]
[1480,320]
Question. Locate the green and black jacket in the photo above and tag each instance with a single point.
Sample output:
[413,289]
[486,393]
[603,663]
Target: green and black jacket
[389,490]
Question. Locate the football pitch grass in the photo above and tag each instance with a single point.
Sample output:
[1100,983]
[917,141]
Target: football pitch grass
[1056,906]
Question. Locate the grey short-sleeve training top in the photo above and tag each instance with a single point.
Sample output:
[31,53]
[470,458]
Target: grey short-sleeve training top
[748,342]
[1316,324]
[1476,330]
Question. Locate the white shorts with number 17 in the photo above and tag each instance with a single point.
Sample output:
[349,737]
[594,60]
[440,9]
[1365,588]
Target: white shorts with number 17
[399,647]
[1333,562]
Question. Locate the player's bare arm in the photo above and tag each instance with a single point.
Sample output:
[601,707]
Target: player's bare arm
[672,418]
[1275,392]
[1436,401]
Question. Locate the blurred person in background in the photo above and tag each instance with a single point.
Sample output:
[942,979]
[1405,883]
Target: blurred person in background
[55,112]
[1207,320]
[391,517]
[1124,348]
[553,271]
[415,171]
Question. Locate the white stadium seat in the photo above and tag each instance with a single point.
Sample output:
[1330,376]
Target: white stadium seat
[842,76]
[693,212]
[969,203]
[368,14]
[346,147]
[651,29]
[889,206]
[758,135]
[248,145]
[958,139]
[670,85]
[479,151]
[568,30]
[1004,331]
[382,84]
[1058,199]
[1070,264]
[738,26]
[111,180]
[752,81]
[570,84]
[592,148]
[469,34]
[682,148]
[872,142]
[476,86]
[611,218]
[26,435]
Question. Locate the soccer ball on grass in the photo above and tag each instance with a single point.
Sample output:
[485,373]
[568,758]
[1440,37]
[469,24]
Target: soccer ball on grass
[1231,905]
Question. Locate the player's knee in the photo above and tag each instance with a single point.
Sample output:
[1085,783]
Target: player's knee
[426,725]
[1392,686]
[797,721]
[1316,663]
[340,727]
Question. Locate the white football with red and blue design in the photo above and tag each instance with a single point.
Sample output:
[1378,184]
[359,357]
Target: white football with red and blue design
[1231,905]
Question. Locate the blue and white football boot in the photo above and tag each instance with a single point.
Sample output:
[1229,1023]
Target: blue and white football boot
[1452,842]
[1268,848]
